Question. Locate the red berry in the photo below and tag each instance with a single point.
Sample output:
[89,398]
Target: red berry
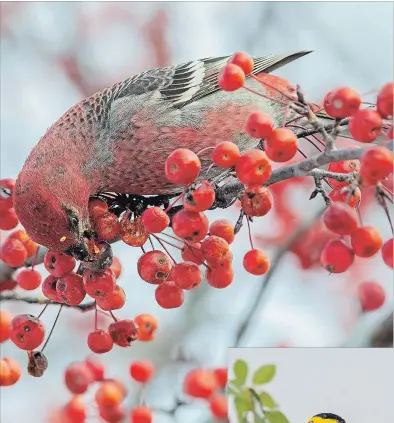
[58,264]
[226,154]
[340,218]
[231,77]
[221,374]
[200,383]
[133,233]
[75,410]
[29,279]
[387,252]
[97,207]
[351,196]
[116,267]
[192,252]
[6,190]
[376,164]
[169,295]
[253,167]
[187,275]
[70,289]
[154,266]
[155,220]
[112,301]
[99,284]
[147,325]
[259,125]
[199,198]
[218,406]
[123,332]
[256,262]
[256,200]
[30,245]
[345,166]
[182,166]
[5,325]
[8,219]
[13,252]
[109,394]
[12,373]
[224,229]
[141,414]
[49,288]
[384,101]
[107,226]
[336,256]
[112,414]
[365,125]
[371,295]
[281,145]
[342,102]
[215,249]
[96,368]
[27,332]
[192,226]
[219,277]
[100,341]
[243,60]
[142,371]
[366,241]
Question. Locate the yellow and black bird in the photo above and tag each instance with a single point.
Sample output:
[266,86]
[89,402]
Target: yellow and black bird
[326,418]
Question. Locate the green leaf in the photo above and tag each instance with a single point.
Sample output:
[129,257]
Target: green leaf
[264,374]
[242,407]
[267,400]
[231,391]
[240,372]
[276,417]
[237,383]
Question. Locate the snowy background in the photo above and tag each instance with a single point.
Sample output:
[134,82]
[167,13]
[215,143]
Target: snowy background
[54,54]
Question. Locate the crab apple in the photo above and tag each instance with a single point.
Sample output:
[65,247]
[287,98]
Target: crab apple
[141,414]
[256,200]
[5,325]
[192,252]
[282,145]
[70,289]
[365,125]
[371,295]
[222,228]
[387,253]
[97,207]
[133,233]
[243,60]
[376,164]
[99,284]
[259,125]
[218,406]
[342,102]
[112,414]
[200,383]
[100,341]
[155,220]
[5,371]
[75,410]
[221,374]
[107,226]
[219,277]
[29,279]
[13,252]
[199,198]
[226,154]
[256,262]
[77,378]
[345,166]
[366,241]
[186,275]
[336,256]
[340,218]
[58,264]
[147,327]
[49,288]
[182,166]
[253,167]
[6,190]
[192,226]
[154,266]
[350,196]
[7,284]
[96,368]
[214,249]
[26,332]
[109,394]
[142,371]
[8,219]
[112,301]
[123,332]
[30,245]
[116,267]
[169,295]
[384,101]
[14,372]
[231,77]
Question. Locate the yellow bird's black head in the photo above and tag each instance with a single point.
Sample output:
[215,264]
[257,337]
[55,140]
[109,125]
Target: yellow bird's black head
[326,418]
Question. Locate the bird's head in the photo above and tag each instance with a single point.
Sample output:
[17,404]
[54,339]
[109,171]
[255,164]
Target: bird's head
[326,418]
[53,208]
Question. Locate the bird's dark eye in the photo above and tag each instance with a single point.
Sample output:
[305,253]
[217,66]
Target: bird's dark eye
[73,221]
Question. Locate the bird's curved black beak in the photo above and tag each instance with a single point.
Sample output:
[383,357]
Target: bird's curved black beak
[80,251]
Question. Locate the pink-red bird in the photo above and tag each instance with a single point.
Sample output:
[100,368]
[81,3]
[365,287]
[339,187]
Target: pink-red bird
[118,139]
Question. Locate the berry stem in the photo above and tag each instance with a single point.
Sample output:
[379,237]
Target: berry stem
[264,83]
[113,316]
[174,202]
[42,311]
[95,315]
[250,233]
[52,329]
[275,100]
[164,247]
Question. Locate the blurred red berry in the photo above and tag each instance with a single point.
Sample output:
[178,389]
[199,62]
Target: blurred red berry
[366,241]
[387,252]
[142,371]
[384,101]
[222,228]
[199,198]
[154,266]
[371,295]
[340,218]
[27,332]
[336,256]
[29,279]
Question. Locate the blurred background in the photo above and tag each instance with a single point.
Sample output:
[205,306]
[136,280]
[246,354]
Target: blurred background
[53,54]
